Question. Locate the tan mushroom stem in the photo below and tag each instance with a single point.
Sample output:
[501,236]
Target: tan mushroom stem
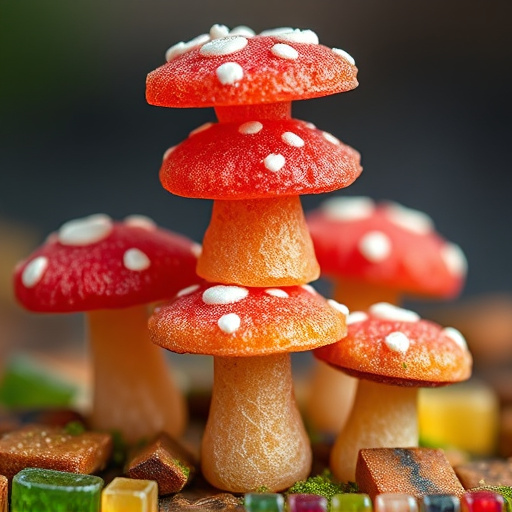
[331,391]
[254,436]
[243,113]
[383,416]
[133,390]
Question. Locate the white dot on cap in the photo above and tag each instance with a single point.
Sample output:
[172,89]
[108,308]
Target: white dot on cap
[292,139]
[201,128]
[140,221]
[34,271]
[299,36]
[182,47]
[356,317]
[338,307]
[331,138]
[188,290]
[375,246]
[218,31]
[284,51]
[222,294]
[456,336]
[409,219]
[274,162]
[348,208]
[135,259]
[86,231]
[308,288]
[397,342]
[229,73]
[168,152]
[229,323]
[344,55]
[223,46]
[196,249]
[276,31]
[386,311]
[277,292]
[454,259]
[242,30]
[250,128]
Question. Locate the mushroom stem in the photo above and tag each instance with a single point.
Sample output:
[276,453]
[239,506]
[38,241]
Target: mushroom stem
[383,416]
[254,436]
[132,373]
[243,113]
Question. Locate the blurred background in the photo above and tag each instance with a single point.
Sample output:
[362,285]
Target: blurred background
[431,117]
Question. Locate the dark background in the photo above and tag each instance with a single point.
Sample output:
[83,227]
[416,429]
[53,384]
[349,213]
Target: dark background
[431,117]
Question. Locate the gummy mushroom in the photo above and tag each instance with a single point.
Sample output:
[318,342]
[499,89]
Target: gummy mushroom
[374,252]
[393,352]
[254,437]
[113,271]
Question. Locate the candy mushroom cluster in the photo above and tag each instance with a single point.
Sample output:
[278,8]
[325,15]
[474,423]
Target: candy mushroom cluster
[257,252]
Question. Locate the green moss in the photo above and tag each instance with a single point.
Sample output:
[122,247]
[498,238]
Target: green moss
[504,490]
[183,468]
[74,428]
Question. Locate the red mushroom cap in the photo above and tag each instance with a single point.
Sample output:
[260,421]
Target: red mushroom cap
[95,263]
[394,346]
[239,68]
[387,245]
[258,159]
[225,320]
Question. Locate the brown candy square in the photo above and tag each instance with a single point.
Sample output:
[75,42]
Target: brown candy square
[485,472]
[3,493]
[414,471]
[165,461]
[46,447]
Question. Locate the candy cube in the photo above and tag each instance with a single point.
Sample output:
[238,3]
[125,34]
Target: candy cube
[263,502]
[440,503]
[482,501]
[3,493]
[45,490]
[485,472]
[130,495]
[306,503]
[351,502]
[395,502]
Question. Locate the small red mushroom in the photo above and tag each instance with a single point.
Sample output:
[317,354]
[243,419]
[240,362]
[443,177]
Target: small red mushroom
[393,353]
[254,436]
[113,271]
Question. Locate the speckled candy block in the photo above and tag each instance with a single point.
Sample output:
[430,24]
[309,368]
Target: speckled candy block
[414,471]
[3,493]
[53,448]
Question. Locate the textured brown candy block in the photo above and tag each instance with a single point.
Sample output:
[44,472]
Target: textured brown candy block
[165,461]
[414,471]
[46,447]
[3,493]
[485,472]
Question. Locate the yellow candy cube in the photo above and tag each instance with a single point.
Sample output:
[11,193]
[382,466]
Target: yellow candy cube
[130,495]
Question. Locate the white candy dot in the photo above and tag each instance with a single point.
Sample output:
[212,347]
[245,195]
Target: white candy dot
[34,271]
[409,219]
[276,31]
[229,323]
[223,46]
[182,47]
[140,221]
[197,250]
[242,30]
[274,162]
[292,139]
[299,36]
[250,128]
[310,125]
[348,208]
[309,288]
[456,336]
[188,290]
[454,259]
[201,128]
[397,342]
[217,31]
[135,259]
[277,292]
[331,138]
[168,152]
[284,51]
[338,307]
[386,311]
[222,294]
[375,246]
[344,55]
[356,317]
[229,73]
[85,231]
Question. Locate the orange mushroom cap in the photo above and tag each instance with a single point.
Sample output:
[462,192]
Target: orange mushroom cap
[258,159]
[239,68]
[386,245]
[223,320]
[394,346]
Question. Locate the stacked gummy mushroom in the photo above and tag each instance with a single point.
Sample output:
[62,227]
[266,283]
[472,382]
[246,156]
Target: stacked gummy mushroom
[255,305]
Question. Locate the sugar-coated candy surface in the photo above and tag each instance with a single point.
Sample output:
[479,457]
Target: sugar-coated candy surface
[4,494]
[53,448]
[414,471]
[43,490]
[482,501]
[351,502]
[235,321]
[263,502]
[237,69]
[395,502]
[258,158]
[263,242]
[439,503]
[306,503]
[476,473]
[130,495]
